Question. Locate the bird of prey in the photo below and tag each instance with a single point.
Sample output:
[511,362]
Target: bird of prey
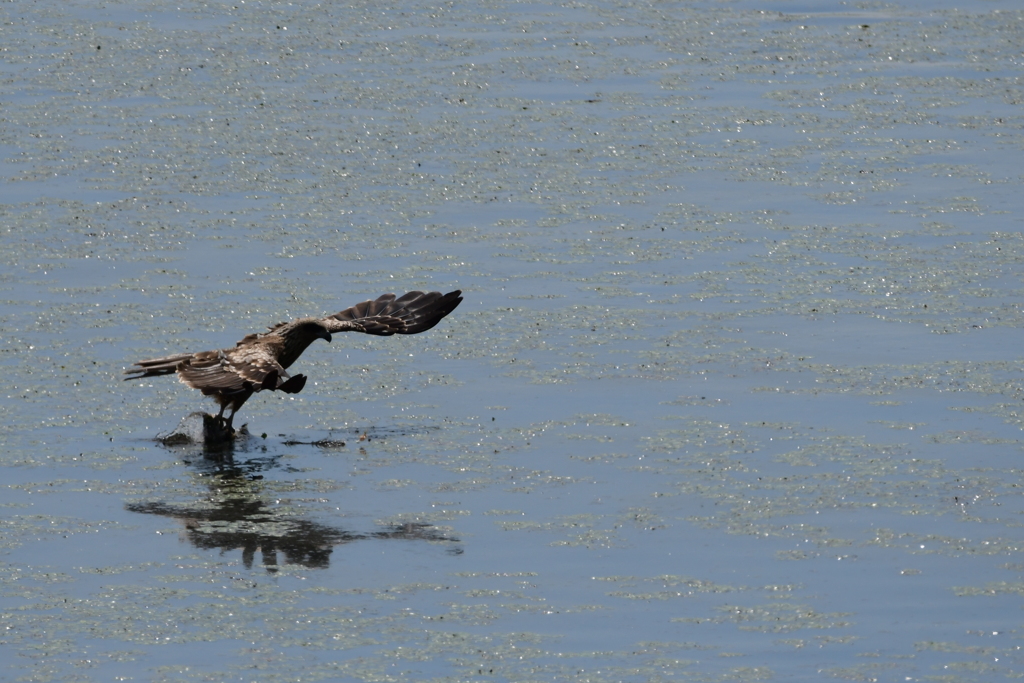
[258,362]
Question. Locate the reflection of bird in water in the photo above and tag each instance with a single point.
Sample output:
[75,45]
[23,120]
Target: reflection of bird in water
[235,517]
[259,361]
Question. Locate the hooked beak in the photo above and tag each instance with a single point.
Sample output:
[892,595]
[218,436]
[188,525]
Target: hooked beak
[326,337]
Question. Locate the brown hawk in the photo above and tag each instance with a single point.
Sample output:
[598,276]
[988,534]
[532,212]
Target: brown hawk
[258,362]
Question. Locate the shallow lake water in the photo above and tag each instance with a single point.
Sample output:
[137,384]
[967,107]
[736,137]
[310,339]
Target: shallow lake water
[734,393]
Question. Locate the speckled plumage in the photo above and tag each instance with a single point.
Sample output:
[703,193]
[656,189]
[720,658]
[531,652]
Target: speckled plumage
[259,361]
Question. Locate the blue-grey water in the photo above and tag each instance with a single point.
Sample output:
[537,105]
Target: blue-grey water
[734,393]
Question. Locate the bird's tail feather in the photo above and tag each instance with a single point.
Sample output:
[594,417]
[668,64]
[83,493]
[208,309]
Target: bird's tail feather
[156,366]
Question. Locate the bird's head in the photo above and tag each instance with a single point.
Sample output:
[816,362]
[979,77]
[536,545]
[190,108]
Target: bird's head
[306,331]
[320,332]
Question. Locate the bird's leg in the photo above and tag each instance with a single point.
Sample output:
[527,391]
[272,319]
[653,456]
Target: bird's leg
[220,415]
[225,423]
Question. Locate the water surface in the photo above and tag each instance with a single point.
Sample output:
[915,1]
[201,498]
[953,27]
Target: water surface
[733,395]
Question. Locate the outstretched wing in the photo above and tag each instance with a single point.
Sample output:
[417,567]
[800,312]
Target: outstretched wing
[248,367]
[251,367]
[409,314]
